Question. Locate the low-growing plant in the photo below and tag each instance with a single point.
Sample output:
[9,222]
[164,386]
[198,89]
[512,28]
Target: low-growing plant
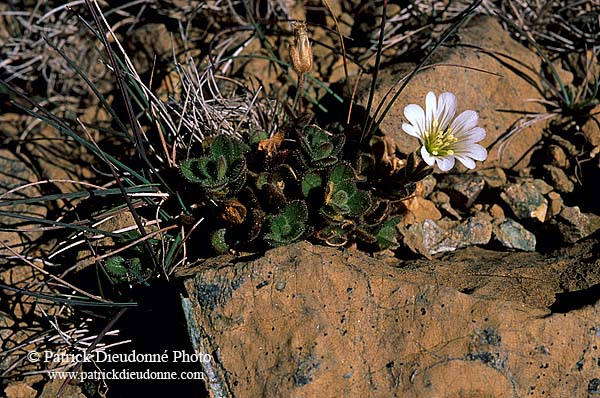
[226,168]
[273,191]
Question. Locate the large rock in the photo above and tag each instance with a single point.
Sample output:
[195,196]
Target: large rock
[482,80]
[307,321]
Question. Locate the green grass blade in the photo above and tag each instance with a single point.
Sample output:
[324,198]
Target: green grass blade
[68,301]
[52,223]
[76,195]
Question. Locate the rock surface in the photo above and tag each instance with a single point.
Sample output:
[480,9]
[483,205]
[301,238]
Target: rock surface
[430,237]
[513,235]
[525,201]
[19,390]
[462,189]
[573,225]
[482,80]
[559,179]
[304,320]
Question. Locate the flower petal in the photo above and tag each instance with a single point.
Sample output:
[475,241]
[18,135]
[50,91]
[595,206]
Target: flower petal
[474,135]
[446,110]
[464,122]
[474,151]
[446,163]
[430,160]
[415,115]
[412,130]
[430,109]
[467,162]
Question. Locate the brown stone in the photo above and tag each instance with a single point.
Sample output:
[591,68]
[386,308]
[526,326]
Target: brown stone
[555,204]
[494,177]
[542,186]
[149,43]
[426,186]
[557,156]
[418,210]
[21,276]
[496,212]
[442,201]
[591,128]
[14,173]
[559,179]
[52,388]
[19,390]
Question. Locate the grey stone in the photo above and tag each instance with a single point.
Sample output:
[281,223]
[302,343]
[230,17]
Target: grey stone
[431,237]
[513,235]
[525,201]
[463,189]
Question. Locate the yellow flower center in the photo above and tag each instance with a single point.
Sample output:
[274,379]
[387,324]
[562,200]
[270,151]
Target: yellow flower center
[439,142]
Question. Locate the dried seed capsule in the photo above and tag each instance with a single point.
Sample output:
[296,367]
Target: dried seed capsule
[301,51]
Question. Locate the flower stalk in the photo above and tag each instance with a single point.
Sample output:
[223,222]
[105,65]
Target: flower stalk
[301,55]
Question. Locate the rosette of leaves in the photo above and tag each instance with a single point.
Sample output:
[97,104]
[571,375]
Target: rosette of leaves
[353,215]
[223,171]
[377,230]
[125,270]
[372,233]
[386,234]
[342,197]
[319,148]
[289,225]
[132,264]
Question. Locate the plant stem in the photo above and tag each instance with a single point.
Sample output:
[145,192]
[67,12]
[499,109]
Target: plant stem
[299,92]
[367,125]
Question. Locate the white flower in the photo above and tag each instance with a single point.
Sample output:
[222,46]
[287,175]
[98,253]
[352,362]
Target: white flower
[443,138]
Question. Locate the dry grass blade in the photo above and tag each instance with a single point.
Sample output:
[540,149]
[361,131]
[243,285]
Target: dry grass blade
[49,275]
